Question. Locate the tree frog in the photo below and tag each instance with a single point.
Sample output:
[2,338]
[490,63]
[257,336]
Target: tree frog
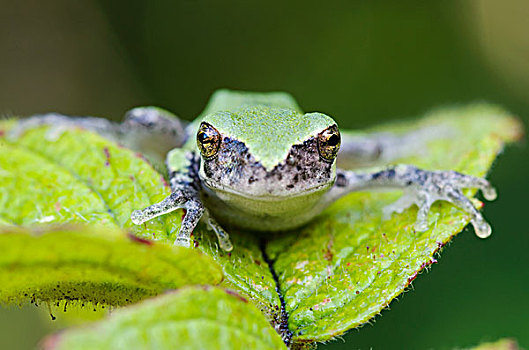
[255,161]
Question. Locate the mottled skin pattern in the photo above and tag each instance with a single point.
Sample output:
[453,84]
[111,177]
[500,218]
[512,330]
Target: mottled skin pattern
[235,168]
[255,161]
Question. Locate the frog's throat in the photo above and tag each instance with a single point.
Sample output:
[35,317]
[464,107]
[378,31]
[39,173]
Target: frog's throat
[214,186]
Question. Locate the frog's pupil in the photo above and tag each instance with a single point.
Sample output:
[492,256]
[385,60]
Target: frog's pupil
[333,140]
[202,137]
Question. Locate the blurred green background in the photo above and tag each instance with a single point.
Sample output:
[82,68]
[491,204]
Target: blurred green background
[361,62]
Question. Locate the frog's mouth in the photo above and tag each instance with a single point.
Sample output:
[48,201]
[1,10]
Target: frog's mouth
[265,196]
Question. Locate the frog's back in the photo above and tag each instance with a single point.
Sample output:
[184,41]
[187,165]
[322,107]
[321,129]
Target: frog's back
[229,100]
[225,100]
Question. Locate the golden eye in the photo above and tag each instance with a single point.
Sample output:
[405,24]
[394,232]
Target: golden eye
[208,140]
[329,143]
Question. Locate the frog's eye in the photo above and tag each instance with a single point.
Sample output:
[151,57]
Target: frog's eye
[208,140]
[329,143]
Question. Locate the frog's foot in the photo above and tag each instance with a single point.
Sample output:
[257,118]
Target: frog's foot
[57,124]
[177,200]
[194,211]
[222,236]
[423,188]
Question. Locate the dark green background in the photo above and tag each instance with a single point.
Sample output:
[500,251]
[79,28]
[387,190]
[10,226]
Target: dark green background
[361,62]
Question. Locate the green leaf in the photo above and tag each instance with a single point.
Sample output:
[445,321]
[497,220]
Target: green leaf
[245,269]
[344,268]
[84,178]
[332,275]
[93,264]
[191,318]
[80,177]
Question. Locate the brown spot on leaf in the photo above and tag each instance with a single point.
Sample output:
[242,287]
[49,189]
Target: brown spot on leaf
[328,254]
[237,295]
[137,239]
[107,156]
[164,182]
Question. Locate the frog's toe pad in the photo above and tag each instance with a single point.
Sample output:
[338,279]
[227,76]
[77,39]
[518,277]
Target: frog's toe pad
[182,242]
[222,236]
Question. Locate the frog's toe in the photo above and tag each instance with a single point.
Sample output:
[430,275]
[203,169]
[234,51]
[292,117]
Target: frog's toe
[222,236]
[458,180]
[182,241]
[410,197]
[424,202]
[401,204]
[169,204]
[137,217]
[481,227]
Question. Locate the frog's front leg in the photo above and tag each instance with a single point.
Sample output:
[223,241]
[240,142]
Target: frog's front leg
[421,187]
[185,186]
[184,198]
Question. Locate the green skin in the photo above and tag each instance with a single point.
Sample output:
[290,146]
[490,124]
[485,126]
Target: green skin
[270,167]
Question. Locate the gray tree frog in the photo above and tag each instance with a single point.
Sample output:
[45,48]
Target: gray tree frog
[255,161]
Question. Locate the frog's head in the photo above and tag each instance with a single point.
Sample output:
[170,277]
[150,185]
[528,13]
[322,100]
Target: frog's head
[268,153]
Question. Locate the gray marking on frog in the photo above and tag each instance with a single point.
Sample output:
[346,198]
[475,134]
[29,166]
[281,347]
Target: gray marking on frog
[235,167]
